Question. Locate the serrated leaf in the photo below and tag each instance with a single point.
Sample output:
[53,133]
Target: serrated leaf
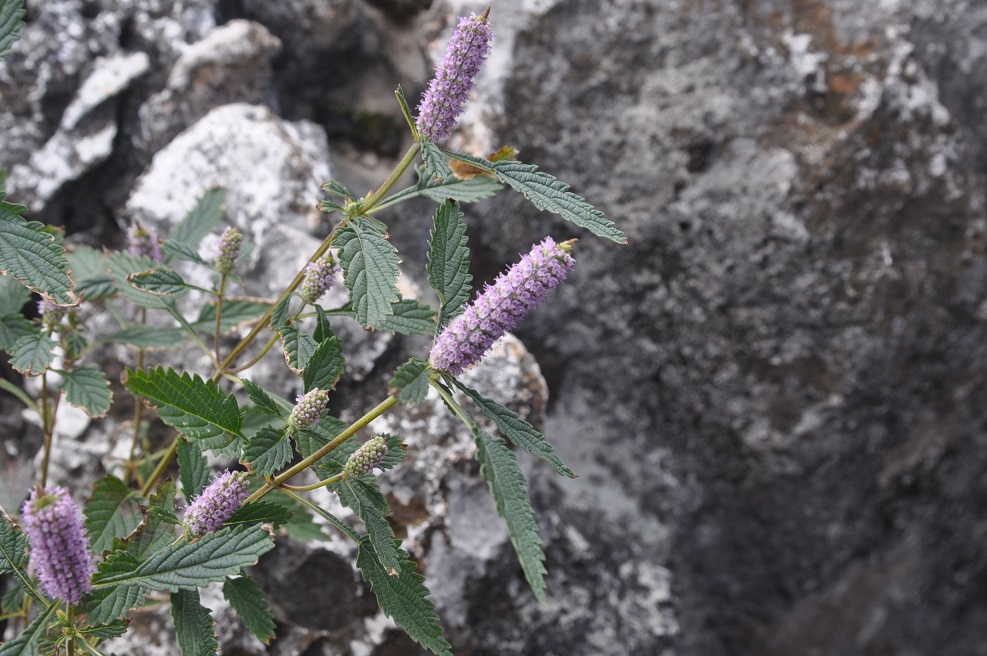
[363,495]
[448,261]
[26,644]
[247,599]
[325,366]
[159,281]
[338,189]
[301,526]
[30,254]
[203,218]
[267,451]
[436,164]
[370,271]
[262,400]
[462,191]
[193,406]
[13,547]
[155,531]
[182,251]
[298,348]
[111,512]
[409,317]
[13,598]
[89,272]
[87,388]
[105,631]
[235,312]
[323,330]
[11,22]
[404,598]
[193,624]
[499,467]
[13,327]
[112,602]
[193,470]
[32,354]
[517,430]
[120,266]
[410,381]
[149,337]
[13,295]
[395,451]
[259,512]
[190,564]
[279,317]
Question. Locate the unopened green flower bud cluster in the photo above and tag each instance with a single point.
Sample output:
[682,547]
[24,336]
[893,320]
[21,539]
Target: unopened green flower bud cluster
[365,459]
[228,250]
[308,408]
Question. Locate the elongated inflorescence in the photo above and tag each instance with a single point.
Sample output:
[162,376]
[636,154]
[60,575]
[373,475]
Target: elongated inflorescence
[308,409]
[59,546]
[365,459]
[455,76]
[144,241]
[319,278]
[501,306]
[228,250]
[216,504]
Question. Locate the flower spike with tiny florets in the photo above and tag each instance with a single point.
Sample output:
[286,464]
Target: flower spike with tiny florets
[308,409]
[319,278]
[364,460]
[144,241]
[216,504]
[455,76]
[228,250]
[501,306]
[59,546]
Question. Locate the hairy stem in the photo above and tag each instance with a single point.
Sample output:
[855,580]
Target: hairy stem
[219,313]
[352,430]
[406,161]
[128,471]
[48,426]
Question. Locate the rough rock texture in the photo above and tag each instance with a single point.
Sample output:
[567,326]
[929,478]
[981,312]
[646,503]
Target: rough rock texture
[773,395]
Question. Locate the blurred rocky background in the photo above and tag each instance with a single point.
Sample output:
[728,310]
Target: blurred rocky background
[774,395]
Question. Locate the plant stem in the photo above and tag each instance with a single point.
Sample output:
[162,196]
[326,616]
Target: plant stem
[406,161]
[313,486]
[353,428]
[47,425]
[329,517]
[138,413]
[219,313]
[19,393]
[161,468]
[70,621]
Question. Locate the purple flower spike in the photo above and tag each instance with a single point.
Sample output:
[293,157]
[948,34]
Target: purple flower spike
[365,459]
[144,241]
[59,546]
[455,76]
[501,306]
[216,504]
[319,278]
[228,250]
[308,409]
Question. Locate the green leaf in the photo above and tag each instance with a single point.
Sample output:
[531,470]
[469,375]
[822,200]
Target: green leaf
[32,354]
[30,254]
[462,191]
[87,388]
[149,337]
[111,512]
[13,295]
[247,599]
[410,381]
[188,564]
[89,270]
[195,407]
[548,193]
[105,631]
[160,281]
[395,451]
[259,512]
[313,438]
[323,330]
[298,348]
[370,268]
[182,251]
[448,261]
[409,317]
[301,526]
[193,470]
[120,266]
[13,327]
[13,547]
[436,164]
[403,598]
[111,604]
[337,189]
[498,466]
[26,644]
[517,430]
[11,22]
[279,317]
[201,220]
[155,531]
[267,451]
[193,624]
[235,312]
[363,495]
[325,366]
[262,400]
